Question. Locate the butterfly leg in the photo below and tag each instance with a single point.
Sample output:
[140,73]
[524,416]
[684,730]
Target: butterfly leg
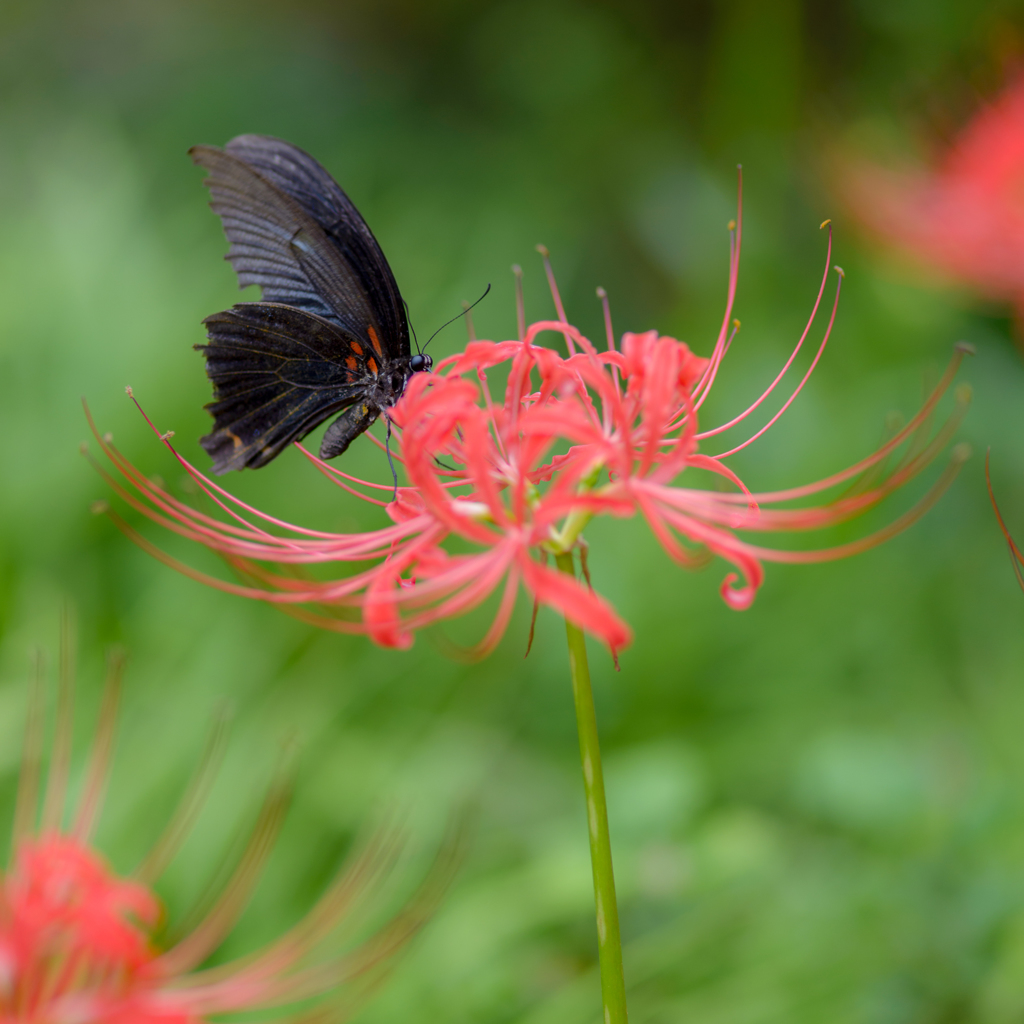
[391,461]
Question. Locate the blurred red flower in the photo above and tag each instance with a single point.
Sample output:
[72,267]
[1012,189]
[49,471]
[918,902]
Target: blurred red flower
[77,942]
[965,218]
[517,477]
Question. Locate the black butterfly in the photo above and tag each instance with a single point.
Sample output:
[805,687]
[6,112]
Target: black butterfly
[331,332]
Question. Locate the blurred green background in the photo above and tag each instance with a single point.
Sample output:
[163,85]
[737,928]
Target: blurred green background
[818,804]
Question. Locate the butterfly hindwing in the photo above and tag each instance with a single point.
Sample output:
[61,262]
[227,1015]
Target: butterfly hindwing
[277,373]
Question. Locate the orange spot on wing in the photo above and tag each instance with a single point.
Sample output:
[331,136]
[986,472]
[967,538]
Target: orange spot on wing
[374,340]
[352,363]
[357,349]
[371,364]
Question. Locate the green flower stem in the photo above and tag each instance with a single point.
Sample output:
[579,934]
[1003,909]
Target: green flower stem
[574,524]
[613,985]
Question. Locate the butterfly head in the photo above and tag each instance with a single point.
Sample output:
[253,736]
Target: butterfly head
[420,362]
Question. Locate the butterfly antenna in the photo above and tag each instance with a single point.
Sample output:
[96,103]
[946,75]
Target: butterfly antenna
[454,318]
[408,320]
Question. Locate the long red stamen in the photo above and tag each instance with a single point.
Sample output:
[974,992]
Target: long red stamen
[789,362]
[1016,556]
[926,410]
[559,308]
[958,457]
[517,272]
[735,244]
[796,391]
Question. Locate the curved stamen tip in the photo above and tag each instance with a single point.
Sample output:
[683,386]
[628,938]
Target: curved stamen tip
[128,391]
[83,448]
[731,226]
[542,249]
[736,324]
[108,438]
[739,167]
[601,293]
[825,223]
[966,347]
[167,436]
[99,508]
[517,270]
[960,453]
[839,270]
[964,393]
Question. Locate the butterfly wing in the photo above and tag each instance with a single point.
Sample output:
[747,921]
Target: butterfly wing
[294,232]
[277,373]
[332,316]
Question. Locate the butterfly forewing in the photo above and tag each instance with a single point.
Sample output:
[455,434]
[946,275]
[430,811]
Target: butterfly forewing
[277,244]
[299,176]
[331,331]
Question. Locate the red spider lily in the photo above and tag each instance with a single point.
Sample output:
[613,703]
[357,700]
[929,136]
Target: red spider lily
[77,942]
[573,436]
[965,218]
